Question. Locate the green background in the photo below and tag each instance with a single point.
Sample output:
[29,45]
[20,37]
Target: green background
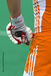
[13,57]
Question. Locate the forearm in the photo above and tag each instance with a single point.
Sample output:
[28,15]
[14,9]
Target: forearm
[14,7]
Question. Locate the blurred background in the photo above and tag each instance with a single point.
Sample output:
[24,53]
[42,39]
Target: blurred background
[13,57]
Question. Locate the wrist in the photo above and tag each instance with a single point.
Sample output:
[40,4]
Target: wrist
[17,21]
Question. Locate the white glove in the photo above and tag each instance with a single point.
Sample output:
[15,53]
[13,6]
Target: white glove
[19,33]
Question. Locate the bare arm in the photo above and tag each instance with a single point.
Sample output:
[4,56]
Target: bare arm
[14,7]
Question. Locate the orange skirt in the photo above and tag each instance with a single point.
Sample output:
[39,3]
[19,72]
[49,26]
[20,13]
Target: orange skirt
[39,58]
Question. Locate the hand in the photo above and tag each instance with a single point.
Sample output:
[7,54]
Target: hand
[18,35]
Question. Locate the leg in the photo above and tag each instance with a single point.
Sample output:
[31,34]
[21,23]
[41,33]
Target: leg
[14,7]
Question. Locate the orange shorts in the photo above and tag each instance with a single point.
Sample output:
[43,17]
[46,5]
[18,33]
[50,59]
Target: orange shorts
[39,58]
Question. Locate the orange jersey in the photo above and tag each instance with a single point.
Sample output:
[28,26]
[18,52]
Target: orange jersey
[42,14]
[39,58]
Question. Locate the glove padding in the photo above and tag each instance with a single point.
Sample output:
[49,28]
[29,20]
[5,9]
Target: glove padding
[18,35]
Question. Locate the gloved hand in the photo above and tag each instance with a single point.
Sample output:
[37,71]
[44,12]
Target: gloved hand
[19,34]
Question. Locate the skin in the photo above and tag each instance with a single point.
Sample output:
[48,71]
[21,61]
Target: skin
[14,7]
